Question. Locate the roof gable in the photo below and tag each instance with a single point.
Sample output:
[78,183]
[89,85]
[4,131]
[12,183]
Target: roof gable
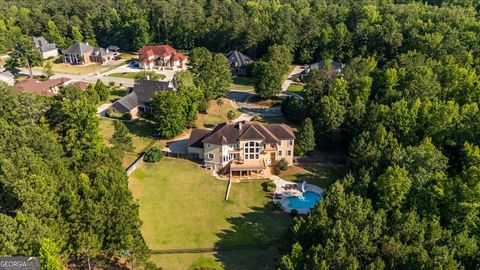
[79,48]
[238,59]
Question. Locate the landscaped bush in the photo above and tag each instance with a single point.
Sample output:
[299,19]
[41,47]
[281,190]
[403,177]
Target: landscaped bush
[127,116]
[276,170]
[256,118]
[155,154]
[282,164]
[294,213]
[268,186]
[109,112]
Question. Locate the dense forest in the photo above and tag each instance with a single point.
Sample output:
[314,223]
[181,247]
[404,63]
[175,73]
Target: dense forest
[405,109]
[63,193]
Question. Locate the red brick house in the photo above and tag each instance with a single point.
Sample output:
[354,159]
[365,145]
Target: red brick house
[151,57]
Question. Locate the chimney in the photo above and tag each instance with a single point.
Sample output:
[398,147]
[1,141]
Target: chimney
[240,125]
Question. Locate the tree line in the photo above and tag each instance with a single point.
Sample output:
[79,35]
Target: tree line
[406,110]
[63,192]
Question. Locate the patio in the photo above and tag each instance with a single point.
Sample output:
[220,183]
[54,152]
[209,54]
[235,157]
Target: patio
[285,189]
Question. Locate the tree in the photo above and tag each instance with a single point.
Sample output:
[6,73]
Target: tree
[392,187]
[281,55]
[47,69]
[76,35]
[305,142]
[193,96]
[121,138]
[24,55]
[169,113]
[268,79]
[53,34]
[212,72]
[153,155]
[102,90]
[49,255]
[231,115]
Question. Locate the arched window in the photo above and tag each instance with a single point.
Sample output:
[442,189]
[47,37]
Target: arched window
[251,150]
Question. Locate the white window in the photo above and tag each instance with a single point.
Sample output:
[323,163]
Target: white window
[289,153]
[251,150]
[210,156]
[279,153]
[290,142]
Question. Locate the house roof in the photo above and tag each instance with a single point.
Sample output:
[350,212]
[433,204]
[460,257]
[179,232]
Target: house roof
[81,85]
[113,48]
[321,65]
[141,94]
[230,133]
[39,87]
[178,56]
[42,45]
[238,59]
[7,74]
[157,50]
[100,52]
[79,48]
[196,137]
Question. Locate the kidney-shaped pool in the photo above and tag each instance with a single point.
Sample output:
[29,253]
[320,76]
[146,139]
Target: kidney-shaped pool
[305,201]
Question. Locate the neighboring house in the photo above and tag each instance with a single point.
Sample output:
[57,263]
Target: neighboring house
[243,148]
[114,49]
[335,67]
[101,55]
[47,50]
[81,85]
[151,57]
[238,63]
[139,97]
[7,77]
[78,53]
[45,88]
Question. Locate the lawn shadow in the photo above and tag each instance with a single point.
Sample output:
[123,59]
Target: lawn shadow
[253,240]
[141,128]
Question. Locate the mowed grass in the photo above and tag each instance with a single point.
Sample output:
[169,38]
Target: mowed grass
[59,67]
[131,75]
[183,207]
[242,83]
[140,130]
[320,174]
[216,114]
[295,87]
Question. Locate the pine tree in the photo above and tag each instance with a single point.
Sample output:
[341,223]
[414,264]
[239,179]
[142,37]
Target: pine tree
[305,142]
[120,138]
[49,255]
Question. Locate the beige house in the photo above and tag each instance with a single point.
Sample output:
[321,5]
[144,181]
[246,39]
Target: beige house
[243,149]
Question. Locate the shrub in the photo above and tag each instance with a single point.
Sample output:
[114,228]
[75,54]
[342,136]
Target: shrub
[282,164]
[109,112]
[111,84]
[294,213]
[276,206]
[155,154]
[268,186]
[276,170]
[256,118]
[127,116]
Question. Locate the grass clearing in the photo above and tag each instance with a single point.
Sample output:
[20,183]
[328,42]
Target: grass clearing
[320,174]
[295,87]
[59,67]
[270,119]
[242,83]
[216,114]
[183,207]
[117,93]
[131,75]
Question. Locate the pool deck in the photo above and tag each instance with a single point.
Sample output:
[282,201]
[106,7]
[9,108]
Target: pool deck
[285,193]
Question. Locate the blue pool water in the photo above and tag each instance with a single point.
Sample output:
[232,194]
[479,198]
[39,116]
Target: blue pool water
[308,200]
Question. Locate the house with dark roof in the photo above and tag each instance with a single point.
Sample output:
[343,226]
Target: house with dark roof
[78,53]
[46,49]
[243,148]
[151,57]
[114,49]
[335,68]
[139,97]
[45,88]
[238,63]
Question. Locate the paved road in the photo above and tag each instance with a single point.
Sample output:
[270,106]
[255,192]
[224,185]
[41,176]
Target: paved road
[291,78]
[87,77]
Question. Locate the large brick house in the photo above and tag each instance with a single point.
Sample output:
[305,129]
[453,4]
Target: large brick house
[46,49]
[243,148]
[152,57]
[83,53]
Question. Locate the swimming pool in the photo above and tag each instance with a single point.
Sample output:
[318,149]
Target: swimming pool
[305,201]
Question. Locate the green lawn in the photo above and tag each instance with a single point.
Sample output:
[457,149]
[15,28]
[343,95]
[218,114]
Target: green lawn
[116,94]
[131,75]
[320,174]
[270,119]
[242,83]
[58,66]
[140,130]
[182,207]
[216,114]
[295,87]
